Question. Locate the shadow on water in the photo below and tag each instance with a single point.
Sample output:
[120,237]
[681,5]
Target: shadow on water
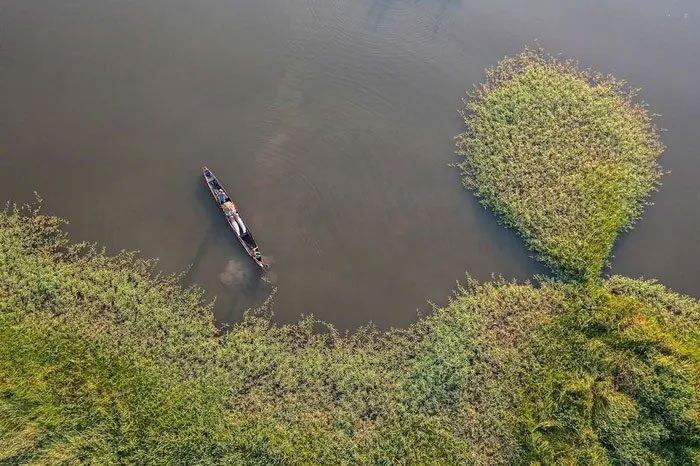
[195,264]
[380,9]
[236,282]
[213,231]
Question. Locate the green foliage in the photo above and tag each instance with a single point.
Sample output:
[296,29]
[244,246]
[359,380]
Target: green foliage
[620,383]
[104,362]
[562,155]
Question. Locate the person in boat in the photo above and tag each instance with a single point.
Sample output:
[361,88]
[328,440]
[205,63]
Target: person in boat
[229,208]
[239,222]
[257,255]
[231,212]
[235,227]
[221,196]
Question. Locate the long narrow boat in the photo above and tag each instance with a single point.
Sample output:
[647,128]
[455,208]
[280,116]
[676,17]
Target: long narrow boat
[228,208]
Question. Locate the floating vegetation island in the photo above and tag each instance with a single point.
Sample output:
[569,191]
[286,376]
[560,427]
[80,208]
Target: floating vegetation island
[104,361]
[563,155]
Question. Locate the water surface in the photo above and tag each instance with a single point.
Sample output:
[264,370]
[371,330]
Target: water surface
[331,124]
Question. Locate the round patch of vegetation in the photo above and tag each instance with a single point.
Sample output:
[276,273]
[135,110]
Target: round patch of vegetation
[563,155]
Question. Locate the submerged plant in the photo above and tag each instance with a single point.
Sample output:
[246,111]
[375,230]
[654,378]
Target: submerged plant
[563,155]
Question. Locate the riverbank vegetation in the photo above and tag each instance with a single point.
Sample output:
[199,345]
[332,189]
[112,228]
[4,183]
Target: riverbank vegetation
[101,361]
[105,361]
[563,155]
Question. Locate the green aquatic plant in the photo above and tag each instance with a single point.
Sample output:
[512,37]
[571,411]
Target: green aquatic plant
[104,361]
[563,155]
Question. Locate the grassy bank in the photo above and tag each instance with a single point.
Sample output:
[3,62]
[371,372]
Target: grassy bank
[563,155]
[102,362]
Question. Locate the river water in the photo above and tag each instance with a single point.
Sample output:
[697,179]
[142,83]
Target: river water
[331,124]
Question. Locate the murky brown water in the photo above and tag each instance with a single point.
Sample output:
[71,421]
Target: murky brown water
[331,124]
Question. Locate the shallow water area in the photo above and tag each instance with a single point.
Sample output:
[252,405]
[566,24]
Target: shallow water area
[330,124]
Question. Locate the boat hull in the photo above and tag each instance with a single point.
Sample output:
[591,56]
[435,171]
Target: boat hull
[234,219]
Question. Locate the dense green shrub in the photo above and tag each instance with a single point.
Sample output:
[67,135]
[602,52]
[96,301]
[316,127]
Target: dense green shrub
[103,362]
[617,379]
[562,155]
